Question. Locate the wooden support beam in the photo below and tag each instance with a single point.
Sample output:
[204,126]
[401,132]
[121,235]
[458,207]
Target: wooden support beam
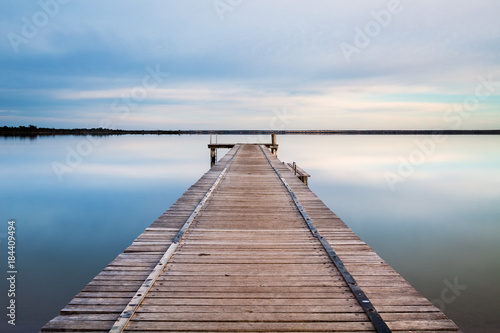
[213,157]
[274,144]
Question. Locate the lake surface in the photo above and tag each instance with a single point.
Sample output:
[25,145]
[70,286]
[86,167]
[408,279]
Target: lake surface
[429,206]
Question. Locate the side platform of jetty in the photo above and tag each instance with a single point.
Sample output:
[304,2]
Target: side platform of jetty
[249,248]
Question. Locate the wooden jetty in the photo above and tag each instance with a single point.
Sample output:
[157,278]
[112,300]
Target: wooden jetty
[249,248]
[214,146]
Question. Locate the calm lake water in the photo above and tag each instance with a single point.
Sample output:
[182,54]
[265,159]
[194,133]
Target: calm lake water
[430,208]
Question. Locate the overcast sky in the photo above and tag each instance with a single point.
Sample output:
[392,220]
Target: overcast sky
[250,64]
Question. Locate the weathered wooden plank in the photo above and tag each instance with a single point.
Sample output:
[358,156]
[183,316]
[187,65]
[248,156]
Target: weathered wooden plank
[243,295]
[389,310]
[249,317]
[211,326]
[436,325]
[255,289]
[66,325]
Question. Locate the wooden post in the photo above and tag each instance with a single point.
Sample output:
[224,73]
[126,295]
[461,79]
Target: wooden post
[274,144]
[213,156]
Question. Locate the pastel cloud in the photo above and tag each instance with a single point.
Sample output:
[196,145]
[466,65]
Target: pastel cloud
[233,73]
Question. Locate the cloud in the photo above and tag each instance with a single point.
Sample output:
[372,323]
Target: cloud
[260,56]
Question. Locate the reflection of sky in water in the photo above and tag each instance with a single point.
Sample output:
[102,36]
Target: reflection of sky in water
[441,223]
[68,231]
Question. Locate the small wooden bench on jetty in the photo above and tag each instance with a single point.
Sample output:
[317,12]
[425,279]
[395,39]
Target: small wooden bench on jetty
[299,172]
[249,248]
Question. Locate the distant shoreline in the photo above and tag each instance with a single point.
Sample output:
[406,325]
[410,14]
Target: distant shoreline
[33,131]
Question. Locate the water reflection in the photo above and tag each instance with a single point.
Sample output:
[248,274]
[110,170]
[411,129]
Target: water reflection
[441,222]
[69,230]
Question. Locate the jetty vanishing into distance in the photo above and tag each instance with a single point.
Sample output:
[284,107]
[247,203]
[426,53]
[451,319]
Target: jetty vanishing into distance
[249,248]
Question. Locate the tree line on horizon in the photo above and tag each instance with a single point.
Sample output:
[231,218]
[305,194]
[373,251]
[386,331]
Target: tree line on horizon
[34,131]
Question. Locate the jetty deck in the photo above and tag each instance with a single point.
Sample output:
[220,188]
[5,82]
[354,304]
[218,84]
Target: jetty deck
[249,248]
